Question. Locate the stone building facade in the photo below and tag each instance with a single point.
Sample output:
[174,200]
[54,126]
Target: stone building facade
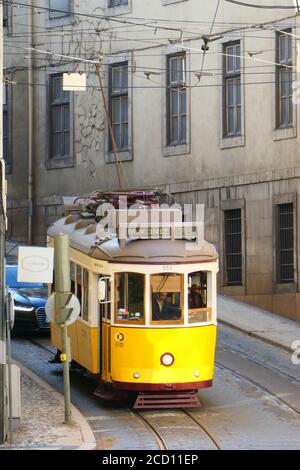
[200,100]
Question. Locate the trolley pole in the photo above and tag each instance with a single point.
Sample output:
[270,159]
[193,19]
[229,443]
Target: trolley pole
[62,297]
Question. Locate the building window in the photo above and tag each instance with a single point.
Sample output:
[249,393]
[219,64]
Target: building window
[5,124]
[80,287]
[5,16]
[60,119]
[176,99]
[285,244]
[116,3]
[232,107]
[233,247]
[59,8]
[284,80]
[118,105]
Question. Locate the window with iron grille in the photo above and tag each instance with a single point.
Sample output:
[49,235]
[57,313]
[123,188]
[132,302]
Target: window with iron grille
[233,247]
[232,105]
[116,3]
[60,118]
[285,244]
[176,100]
[5,125]
[284,80]
[118,105]
[59,8]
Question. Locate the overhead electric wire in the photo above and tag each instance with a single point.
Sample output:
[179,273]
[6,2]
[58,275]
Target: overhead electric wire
[206,45]
[265,7]
[73,59]
[160,87]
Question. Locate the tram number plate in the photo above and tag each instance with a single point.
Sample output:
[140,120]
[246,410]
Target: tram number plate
[167,268]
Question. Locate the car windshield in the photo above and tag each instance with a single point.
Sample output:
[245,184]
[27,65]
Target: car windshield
[12,280]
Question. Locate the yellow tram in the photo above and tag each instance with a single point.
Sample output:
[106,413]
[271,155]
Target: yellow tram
[148,313]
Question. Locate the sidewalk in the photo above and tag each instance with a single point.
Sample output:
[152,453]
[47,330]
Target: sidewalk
[258,323]
[42,427]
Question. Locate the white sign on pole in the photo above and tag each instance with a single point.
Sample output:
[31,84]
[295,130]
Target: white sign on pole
[35,264]
[73,305]
[74,82]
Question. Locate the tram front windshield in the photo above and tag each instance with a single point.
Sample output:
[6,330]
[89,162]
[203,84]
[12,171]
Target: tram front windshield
[166,292]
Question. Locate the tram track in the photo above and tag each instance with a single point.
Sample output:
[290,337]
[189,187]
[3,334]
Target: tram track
[158,438]
[256,362]
[258,386]
[203,427]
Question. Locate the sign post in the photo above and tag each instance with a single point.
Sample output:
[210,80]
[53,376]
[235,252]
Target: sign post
[9,324]
[63,311]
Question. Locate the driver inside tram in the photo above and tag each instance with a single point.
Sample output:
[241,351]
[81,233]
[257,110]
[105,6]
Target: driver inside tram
[162,307]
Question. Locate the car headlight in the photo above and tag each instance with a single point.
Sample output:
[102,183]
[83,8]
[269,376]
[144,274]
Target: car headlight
[23,308]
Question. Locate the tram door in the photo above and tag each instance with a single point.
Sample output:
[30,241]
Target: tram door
[104,331]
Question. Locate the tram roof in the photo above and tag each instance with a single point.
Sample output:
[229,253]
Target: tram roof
[83,237]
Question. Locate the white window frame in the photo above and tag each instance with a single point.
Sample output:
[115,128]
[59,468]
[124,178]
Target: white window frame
[126,155]
[234,140]
[183,149]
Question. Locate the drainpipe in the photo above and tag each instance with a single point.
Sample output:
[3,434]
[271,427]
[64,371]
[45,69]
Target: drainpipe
[30,121]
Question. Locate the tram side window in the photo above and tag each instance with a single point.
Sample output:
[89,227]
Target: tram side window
[197,298]
[80,287]
[105,308]
[167,297]
[130,297]
[73,277]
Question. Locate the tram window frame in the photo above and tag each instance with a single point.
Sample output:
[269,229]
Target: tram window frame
[80,290]
[180,321]
[205,309]
[105,308]
[129,321]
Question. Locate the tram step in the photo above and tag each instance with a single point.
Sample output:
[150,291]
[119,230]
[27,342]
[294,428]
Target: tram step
[167,400]
[106,392]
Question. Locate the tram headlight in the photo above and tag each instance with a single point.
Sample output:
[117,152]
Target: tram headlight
[167,359]
[136,375]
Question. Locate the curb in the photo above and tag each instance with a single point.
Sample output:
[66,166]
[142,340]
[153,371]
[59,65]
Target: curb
[255,335]
[89,441]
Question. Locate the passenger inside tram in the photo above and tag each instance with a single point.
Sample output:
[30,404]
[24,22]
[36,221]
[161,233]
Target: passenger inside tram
[163,307]
[195,297]
[167,290]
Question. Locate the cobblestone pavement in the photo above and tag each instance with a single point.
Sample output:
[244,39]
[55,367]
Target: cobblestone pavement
[42,421]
